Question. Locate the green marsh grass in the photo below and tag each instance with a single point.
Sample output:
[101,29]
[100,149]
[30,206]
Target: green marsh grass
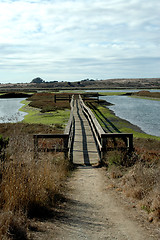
[122,125]
[49,118]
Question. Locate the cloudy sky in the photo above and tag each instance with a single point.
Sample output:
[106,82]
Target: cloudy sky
[69,40]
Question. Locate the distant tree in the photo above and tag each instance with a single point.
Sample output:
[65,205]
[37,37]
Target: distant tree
[37,80]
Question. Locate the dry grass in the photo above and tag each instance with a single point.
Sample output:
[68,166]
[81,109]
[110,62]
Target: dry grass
[46,101]
[142,183]
[27,187]
[147,94]
[140,180]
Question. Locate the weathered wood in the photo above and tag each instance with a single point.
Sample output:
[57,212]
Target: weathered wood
[35,147]
[64,149]
[84,147]
[91,117]
[54,98]
[70,121]
[67,136]
[95,126]
[128,137]
[50,136]
[99,134]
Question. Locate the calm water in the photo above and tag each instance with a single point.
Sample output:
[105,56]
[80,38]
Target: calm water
[141,112]
[9,110]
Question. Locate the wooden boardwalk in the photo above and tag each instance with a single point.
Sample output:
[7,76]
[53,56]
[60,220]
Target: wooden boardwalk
[84,147]
[78,141]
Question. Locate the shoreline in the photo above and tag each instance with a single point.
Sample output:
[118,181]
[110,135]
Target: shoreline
[126,126]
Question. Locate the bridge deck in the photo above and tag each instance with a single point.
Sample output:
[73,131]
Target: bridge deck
[84,147]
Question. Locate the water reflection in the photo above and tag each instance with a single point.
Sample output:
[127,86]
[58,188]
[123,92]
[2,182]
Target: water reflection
[9,110]
[141,112]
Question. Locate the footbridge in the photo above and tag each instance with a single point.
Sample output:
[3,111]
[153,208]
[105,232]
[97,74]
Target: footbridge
[84,141]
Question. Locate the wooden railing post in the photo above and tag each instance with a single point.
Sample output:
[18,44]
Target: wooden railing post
[130,145]
[67,136]
[104,147]
[65,144]
[55,98]
[35,147]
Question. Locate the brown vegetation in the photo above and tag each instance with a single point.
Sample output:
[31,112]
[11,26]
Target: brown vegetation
[147,94]
[85,84]
[28,188]
[140,179]
[50,101]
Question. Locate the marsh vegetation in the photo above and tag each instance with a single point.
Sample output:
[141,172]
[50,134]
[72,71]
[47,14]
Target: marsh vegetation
[30,189]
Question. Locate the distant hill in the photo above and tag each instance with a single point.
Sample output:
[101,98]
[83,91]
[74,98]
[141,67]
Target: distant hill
[38,83]
[103,84]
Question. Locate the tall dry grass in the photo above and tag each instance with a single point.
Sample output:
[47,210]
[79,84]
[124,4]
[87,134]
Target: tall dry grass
[140,179]
[28,187]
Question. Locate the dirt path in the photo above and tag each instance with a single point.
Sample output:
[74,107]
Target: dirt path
[93,211]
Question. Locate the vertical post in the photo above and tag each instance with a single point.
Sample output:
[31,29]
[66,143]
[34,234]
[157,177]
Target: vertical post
[65,144]
[35,147]
[97,97]
[131,143]
[55,98]
[126,141]
[104,147]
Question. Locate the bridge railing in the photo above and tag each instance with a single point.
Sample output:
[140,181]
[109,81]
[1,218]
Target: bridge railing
[95,126]
[70,128]
[67,138]
[102,137]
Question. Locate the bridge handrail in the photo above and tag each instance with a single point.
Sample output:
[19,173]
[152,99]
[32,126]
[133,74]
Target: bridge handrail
[69,124]
[96,127]
[69,129]
[101,136]
[67,136]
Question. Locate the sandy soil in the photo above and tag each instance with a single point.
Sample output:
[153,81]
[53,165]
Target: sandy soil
[92,210]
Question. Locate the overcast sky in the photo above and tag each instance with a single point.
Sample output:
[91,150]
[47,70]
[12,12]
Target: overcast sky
[77,39]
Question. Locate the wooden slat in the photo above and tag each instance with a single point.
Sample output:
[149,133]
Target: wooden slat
[50,135]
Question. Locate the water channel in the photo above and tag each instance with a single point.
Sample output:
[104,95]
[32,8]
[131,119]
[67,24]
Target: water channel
[9,110]
[141,112]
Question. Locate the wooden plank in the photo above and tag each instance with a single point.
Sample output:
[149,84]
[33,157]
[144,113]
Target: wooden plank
[50,136]
[116,135]
[84,147]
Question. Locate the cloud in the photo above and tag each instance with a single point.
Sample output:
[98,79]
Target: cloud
[76,39]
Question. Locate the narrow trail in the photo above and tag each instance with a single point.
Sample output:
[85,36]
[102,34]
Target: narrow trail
[91,210]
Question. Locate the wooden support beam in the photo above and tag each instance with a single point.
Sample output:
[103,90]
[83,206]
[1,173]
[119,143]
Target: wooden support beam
[65,138]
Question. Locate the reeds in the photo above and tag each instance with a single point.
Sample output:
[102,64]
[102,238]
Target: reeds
[27,187]
[140,179]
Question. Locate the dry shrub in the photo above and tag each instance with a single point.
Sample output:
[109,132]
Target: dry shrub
[155,204]
[139,174]
[147,94]
[30,188]
[27,185]
[115,172]
[141,182]
[13,226]
[119,158]
[45,101]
